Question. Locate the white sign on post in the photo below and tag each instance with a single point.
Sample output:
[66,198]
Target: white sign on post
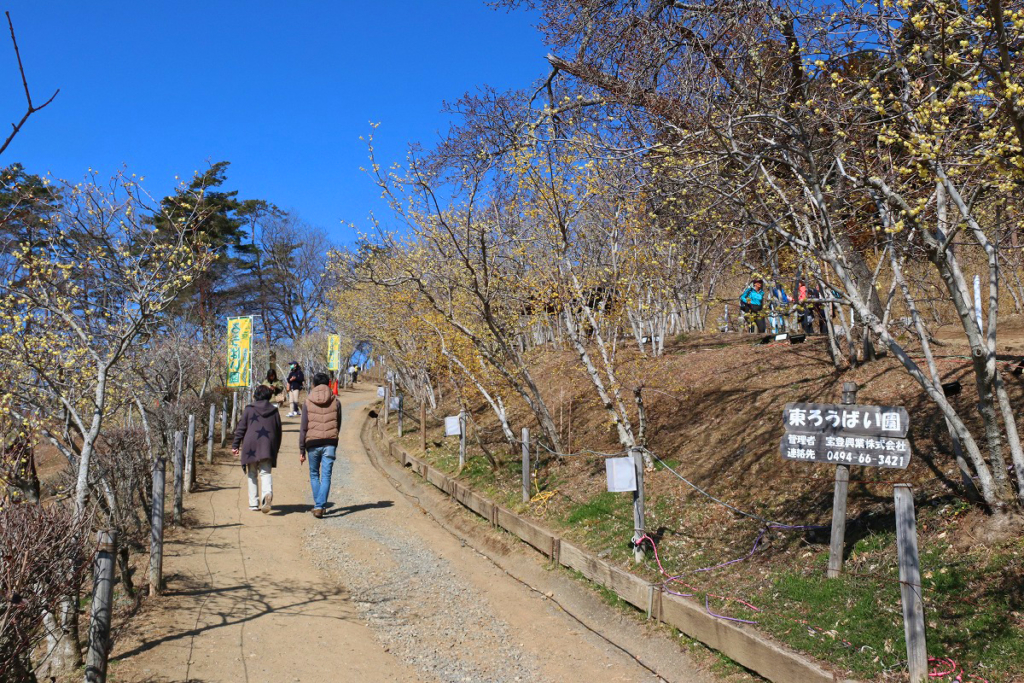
[380,392]
[621,474]
[451,426]
[395,403]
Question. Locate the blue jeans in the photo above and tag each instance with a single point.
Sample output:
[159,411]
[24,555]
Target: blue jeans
[321,462]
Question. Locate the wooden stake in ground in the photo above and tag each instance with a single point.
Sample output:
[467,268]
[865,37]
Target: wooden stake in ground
[102,602]
[423,425]
[179,477]
[842,485]
[526,465]
[910,583]
[638,504]
[462,439]
[209,434]
[224,423]
[401,421]
[156,528]
[234,409]
[190,455]
[387,403]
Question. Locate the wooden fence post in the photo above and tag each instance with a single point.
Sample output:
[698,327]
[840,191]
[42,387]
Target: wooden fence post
[224,423]
[638,504]
[462,439]
[423,425]
[387,402]
[401,411]
[156,528]
[179,477]
[102,603]
[526,464]
[234,409]
[910,583]
[837,543]
[190,455]
[209,434]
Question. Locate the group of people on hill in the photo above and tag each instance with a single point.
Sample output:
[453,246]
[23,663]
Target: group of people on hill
[258,434]
[766,311]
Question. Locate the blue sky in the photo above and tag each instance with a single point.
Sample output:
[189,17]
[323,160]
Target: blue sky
[281,90]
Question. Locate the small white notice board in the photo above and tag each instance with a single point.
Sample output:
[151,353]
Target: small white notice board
[380,392]
[452,426]
[395,404]
[621,474]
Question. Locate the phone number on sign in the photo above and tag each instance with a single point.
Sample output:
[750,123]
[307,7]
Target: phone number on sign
[854,458]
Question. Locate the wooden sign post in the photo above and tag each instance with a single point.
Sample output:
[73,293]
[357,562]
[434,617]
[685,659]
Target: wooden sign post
[462,439]
[837,543]
[224,423]
[639,526]
[526,465]
[190,455]
[156,528]
[401,412]
[910,583]
[179,478]
[387,402]
[423,425]
[209,434]
[102,607]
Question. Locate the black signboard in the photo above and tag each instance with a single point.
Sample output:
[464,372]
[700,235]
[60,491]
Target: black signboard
[871,436]
[851,420]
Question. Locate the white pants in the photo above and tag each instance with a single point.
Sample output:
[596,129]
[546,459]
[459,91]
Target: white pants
[293,396]
[263,469]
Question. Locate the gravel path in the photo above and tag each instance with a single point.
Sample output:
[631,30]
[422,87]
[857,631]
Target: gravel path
[374,591]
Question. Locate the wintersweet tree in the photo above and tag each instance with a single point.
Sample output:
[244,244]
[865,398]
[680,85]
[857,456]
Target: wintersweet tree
[75,302]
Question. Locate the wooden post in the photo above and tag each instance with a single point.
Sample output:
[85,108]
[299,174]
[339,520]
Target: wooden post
[190,455]
[387,402]
[526,464]
[102,603]
[423,425]
[462,438]
[179,477]
[842,486]
[156,528]
[224,423]
[401,421]
[910,583]
[234,409]
[209,435]
[638,504]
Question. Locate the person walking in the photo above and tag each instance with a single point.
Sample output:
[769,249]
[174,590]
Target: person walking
[318,438]
[295,381]
[354,371]
[752,303]
[276,386]
[256,443]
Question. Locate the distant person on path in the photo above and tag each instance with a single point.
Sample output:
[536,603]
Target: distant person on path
[276,386]
[295,381]
[318,437]
[257,442]
[752,303]
[354,371]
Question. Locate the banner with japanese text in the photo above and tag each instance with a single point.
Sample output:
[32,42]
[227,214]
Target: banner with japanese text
[333,352]
[239,352]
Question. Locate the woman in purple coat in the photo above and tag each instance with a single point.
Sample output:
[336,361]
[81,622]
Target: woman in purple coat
[257,441]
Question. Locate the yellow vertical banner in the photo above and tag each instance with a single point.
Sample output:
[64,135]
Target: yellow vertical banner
[333,352]
[239,351]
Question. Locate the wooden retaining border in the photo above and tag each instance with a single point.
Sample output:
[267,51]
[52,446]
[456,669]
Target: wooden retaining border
[738,642]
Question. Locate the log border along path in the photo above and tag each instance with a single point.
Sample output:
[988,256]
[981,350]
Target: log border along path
[375,591]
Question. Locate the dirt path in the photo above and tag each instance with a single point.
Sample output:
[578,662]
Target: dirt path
[376,591]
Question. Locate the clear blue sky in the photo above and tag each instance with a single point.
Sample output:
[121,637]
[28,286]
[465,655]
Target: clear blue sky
[281,90]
